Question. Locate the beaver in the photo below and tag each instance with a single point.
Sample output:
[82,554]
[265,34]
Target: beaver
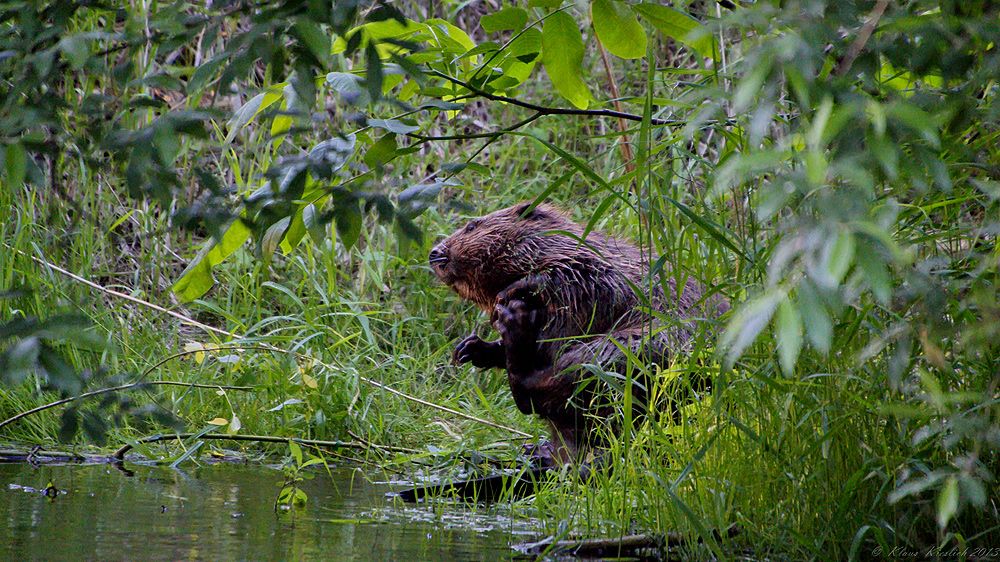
[564,300]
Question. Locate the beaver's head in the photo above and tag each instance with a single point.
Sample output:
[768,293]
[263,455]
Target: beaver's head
[489,253]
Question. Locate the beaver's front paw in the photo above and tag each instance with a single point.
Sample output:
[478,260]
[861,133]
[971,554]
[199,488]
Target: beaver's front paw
[481,353]
[519,325]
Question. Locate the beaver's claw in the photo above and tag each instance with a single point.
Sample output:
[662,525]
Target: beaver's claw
[481,353]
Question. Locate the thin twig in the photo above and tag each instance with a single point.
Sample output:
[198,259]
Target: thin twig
[863,35]
[116,389]
[553,110]
[120,453]
[624,146]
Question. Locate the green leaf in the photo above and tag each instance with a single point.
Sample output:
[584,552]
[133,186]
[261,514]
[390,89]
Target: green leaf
[311,220]
[381,152]
[16,164]
[618,29]
[204,73]
[520,60]
[789,324]
[544,3]
[917,119]
[947,502]
[76,48]
[393,126]
[248,111]
[348,221]
[747,324]
[837,256]
[197,278]
[562,55]
[316,40]
[507,19]
[678,26]
[374,75]
[875,270]
[272,237]
[485,47]
[819,326]
[442,105]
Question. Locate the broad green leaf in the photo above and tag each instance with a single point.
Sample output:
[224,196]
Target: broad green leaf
[544,3]
[562,54]
[454,33]
[875,270]
[678,26]
[197,278]
[618,29]
[520,60]
[272,237]
[947,502]
[76,48]
[973,490]
[315,39]
[485,47]
[815,316]
[816,167]
[311,221]
[375,31]
[381,152]
[374,75]
[917,119]
[819,120]
[204,73]
[789,324]
[280,125]
[885,153]
[16,164]
[393,126]
[296,230]
[442,105]
[747,323]
[507,19]
[837,256]
[249,110]
[348,221]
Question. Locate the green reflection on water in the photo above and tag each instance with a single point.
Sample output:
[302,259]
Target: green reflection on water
[224,512]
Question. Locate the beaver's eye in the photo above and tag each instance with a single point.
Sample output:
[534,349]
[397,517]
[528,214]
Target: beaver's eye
[471,226]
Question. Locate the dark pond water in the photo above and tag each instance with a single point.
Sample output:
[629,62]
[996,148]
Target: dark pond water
[225,512]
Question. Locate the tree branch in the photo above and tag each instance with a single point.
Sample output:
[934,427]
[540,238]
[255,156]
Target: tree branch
[543,110]
[120,453]
[863,35]
[116,389]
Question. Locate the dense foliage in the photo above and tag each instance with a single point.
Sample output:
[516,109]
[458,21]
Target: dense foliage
[830,166]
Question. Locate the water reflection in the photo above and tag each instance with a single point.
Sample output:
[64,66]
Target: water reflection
[222,512]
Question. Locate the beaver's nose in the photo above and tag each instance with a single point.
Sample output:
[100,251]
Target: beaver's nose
[439,255]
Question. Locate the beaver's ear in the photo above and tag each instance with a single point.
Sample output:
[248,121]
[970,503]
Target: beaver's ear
[526,212]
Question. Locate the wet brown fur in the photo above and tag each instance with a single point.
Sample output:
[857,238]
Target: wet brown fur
[557,303]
